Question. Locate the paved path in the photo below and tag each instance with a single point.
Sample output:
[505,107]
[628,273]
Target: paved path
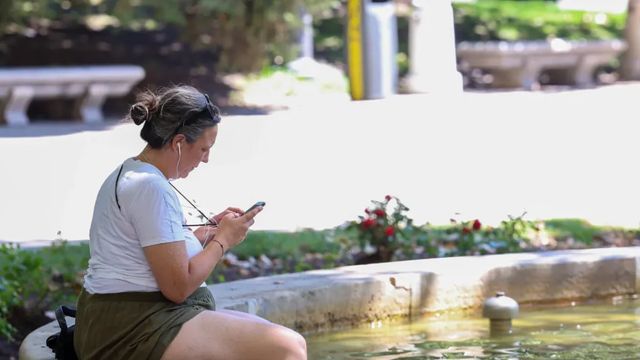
[483,155]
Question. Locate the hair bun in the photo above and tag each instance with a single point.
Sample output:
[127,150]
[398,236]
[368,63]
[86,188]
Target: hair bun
[139,113]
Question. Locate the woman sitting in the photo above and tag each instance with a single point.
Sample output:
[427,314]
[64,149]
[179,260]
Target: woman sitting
[144,294]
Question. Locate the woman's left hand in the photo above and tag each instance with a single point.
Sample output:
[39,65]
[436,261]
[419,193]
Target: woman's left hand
[230,210]
[205,233]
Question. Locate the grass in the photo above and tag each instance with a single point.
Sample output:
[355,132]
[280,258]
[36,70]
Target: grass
[579,229]
[65,256]
[283,244]
[286,244]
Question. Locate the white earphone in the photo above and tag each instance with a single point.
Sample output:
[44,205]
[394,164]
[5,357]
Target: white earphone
[178,162]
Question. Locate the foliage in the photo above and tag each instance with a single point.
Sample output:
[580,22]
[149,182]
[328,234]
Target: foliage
[20,275]
[34,281]
[329,39]
[394,235]
[531,20]
[249,34]
[515,233]
[471,237]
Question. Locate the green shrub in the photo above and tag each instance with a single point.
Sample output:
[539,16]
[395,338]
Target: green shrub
[21,282]
[531,20]
[33,281]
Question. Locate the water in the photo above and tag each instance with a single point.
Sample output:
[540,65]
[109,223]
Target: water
[602,330]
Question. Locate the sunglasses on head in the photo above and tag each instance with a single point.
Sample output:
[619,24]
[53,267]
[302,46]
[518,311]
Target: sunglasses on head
[208,109]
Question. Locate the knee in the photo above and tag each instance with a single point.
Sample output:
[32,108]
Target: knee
[291,344]
[300,345]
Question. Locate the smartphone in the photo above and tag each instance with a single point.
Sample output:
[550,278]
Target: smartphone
[259,203]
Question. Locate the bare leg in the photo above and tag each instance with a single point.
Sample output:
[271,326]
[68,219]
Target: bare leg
[229,335]
[244,315]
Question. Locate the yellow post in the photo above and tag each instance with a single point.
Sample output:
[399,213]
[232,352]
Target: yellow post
[354,49]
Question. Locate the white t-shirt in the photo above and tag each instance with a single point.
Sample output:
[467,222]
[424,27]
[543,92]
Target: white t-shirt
[149,214]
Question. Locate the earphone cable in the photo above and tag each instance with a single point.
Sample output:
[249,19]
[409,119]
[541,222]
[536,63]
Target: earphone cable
[212,223]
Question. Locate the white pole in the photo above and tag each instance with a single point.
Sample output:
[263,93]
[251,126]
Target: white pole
[432,49]
[306,36]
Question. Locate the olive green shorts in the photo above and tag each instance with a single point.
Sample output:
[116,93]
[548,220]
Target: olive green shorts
[132,325]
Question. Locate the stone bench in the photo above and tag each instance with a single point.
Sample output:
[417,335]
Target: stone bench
[520,64]
[91,85]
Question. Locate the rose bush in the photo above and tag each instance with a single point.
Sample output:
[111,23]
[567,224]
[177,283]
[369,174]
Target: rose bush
[471,237]
[385,233]
[385,230]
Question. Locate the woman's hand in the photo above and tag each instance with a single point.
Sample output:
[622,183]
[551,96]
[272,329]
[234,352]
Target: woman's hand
[233,228]
[205,233]
[230,210]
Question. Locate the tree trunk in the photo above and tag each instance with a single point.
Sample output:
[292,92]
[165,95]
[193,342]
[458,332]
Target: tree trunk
[630,64]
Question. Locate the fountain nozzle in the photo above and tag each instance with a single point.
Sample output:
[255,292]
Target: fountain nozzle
[500,309]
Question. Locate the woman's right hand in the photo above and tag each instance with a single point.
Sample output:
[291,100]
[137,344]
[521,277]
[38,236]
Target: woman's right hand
[233,228]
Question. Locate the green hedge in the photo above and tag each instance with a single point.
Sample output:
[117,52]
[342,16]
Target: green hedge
[34,281]
[531,20]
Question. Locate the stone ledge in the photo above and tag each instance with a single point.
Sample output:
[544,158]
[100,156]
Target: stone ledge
[346,296]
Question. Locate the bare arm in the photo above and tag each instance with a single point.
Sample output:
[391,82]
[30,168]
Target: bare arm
[177,275]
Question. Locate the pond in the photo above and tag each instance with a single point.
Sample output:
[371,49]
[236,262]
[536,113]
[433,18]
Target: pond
[592,330]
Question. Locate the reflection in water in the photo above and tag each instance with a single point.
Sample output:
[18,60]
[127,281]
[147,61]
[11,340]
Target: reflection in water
[591,331]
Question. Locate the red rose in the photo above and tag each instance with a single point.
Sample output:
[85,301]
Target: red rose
[389,230]
[379,213]
[465,230]
[476,225]
[388,197]
[368,223]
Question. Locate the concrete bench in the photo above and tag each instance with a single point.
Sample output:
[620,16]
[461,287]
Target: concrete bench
[520,64]
[91,85]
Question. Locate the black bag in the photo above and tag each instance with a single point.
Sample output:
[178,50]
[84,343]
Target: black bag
[62,343]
